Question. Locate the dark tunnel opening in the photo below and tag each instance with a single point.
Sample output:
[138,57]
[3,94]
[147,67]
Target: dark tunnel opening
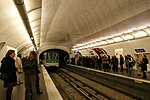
[52,59]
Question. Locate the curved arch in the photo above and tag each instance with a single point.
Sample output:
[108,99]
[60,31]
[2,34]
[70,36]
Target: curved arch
[53,50]
[59,58]
[44,48]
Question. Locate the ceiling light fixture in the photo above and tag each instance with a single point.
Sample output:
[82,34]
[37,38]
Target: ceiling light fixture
[132,34]
[23,13]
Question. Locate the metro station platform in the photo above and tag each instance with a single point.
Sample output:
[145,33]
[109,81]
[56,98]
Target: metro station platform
[135,74]
[47,86]
[134,85]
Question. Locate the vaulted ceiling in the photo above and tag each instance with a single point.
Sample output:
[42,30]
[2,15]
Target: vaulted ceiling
[69,22]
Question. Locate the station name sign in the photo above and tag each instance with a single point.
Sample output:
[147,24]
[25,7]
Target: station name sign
[139,50]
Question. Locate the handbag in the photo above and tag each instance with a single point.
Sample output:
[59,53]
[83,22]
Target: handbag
[4,76]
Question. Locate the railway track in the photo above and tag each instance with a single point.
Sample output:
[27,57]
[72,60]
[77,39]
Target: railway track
[89,89]
[67,91]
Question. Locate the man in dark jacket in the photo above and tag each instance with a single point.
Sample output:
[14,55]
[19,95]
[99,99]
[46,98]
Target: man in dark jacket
[121,63]
[144,63]
[30,69]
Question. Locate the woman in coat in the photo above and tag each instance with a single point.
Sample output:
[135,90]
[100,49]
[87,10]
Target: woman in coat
[8,67]
[19,68]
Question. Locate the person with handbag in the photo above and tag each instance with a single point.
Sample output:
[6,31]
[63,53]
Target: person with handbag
[8,67]
[19,69]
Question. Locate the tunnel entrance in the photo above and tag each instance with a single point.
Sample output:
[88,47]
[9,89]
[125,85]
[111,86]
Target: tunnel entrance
[54,58]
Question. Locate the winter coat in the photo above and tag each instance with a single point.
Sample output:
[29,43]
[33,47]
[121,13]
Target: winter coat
[30,67]
[144,64]
[19,65]
[9,67]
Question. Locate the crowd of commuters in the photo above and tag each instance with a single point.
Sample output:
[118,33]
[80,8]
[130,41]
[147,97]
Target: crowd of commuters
[29,65]
[107,63]
[14,67]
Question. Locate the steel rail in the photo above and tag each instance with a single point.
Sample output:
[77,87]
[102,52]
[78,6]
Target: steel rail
[74,80]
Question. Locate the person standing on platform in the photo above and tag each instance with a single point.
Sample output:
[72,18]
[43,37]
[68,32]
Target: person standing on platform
[30,69]
[115,64]
[99,62]
[105,63]
[137,64]
[130,61]
[19,69]
[121,63]
[8,67]
[126,61]
[144,63]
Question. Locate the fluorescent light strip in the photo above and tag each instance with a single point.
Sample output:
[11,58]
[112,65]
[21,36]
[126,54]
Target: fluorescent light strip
[116,38]
[139,34]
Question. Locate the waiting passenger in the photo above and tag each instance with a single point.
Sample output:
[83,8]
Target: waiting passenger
[30,69]
[105,64]
[92,62]
[109,62]
[8,67]
[19,69]
[129,65]
[121,63]
[115,64]
[144,63]
[96,62]
[99,62]
[137,59]
[126,62]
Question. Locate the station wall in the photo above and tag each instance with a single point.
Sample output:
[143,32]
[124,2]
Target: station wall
[129,48]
